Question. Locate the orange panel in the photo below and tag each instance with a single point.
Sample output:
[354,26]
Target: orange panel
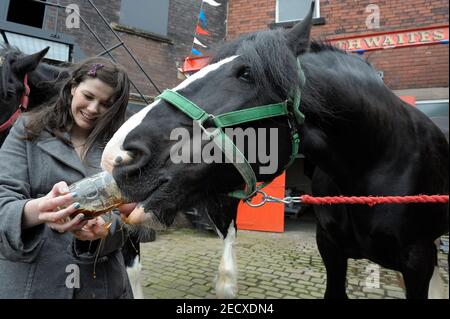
[269,217]
[193,64]
[411,100]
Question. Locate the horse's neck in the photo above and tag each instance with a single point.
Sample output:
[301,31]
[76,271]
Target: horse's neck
[355,126]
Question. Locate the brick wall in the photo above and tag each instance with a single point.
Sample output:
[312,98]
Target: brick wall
[404,68]
[158,58]
[249,16]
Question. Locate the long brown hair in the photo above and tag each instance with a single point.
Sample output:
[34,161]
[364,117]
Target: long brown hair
[57,117]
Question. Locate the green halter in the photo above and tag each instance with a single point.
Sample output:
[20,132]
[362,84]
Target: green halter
[226,145]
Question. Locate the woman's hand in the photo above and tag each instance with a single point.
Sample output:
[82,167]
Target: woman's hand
[48,210]
[94,229]
[97,228]
[131,214]
[126,209]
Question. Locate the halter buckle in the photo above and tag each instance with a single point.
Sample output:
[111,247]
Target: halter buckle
[214,133]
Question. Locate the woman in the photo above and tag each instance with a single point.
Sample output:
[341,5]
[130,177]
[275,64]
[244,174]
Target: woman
[43,252]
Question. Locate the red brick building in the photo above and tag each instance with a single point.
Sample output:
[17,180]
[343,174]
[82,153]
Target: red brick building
[421,71]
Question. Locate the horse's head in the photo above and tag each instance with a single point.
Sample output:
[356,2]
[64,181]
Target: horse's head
[14,68]
[157,156]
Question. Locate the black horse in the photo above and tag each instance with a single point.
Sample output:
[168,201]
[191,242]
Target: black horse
[362,138]
[25,82]
[43,82]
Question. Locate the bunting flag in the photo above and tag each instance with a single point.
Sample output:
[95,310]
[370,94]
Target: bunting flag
[196,52]
[201,31]
[201,28]
[212,3]
[196,41]
[202,18]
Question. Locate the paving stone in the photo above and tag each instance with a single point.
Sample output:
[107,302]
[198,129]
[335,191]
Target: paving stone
[279,282]
[256,295]
[290,293]
[396,294]
[376,291]
[358,293]
[301,290]
[269,288]
[394,288]
[255,289]
[273,294]
[318,280]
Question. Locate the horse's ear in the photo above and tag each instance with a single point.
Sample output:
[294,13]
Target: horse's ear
[298,37]
[30,62]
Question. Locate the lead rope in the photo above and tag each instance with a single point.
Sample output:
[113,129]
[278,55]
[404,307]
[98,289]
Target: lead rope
[361,200]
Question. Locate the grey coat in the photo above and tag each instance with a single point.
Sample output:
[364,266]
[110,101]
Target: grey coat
[39,262]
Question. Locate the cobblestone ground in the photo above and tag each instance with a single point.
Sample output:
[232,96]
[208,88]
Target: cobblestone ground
[183,263]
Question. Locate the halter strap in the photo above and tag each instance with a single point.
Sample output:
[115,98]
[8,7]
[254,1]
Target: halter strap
[226,145]
[24,100]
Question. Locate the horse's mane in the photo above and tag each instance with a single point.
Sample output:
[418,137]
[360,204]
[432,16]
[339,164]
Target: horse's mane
[6,49]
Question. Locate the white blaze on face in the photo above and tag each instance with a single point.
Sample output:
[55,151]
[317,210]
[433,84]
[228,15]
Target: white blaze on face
[114,154]
[203,72]
[113,149]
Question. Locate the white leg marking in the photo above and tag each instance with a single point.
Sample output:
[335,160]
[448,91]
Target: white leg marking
[134,274]
[226,281]
[437,289]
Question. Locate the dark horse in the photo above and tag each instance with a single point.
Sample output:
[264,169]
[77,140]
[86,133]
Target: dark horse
[19,71]
[44,81]
[362,138]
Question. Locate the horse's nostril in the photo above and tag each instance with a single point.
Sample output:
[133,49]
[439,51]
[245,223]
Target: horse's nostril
[133,157]
[123,158]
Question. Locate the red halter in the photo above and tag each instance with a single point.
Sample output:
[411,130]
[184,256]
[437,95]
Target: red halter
[24,99]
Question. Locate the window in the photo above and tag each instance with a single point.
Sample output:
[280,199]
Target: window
[26,12]
[29,45]
[151,16]
[294,10]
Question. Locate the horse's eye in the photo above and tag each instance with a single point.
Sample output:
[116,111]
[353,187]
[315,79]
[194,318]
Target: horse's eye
[245,75]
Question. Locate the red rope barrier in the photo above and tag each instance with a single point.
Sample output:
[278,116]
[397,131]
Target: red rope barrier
[373,200]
